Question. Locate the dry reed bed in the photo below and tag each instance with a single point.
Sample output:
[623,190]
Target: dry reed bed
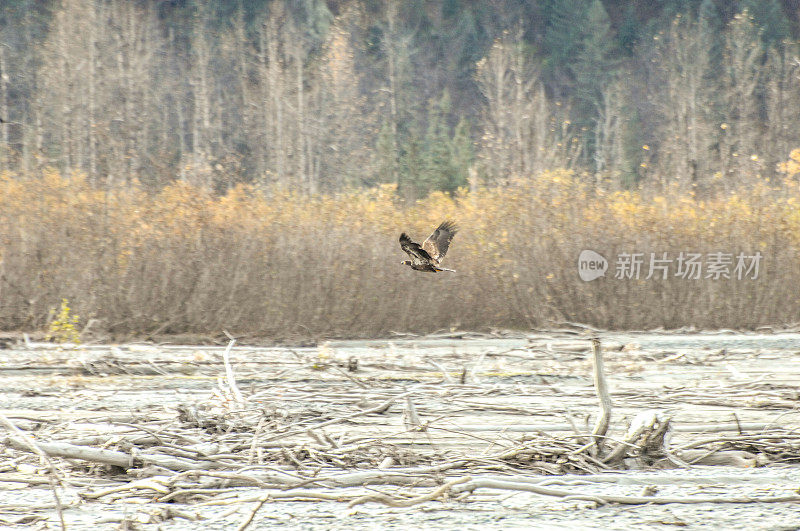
[282,265]
[399,428]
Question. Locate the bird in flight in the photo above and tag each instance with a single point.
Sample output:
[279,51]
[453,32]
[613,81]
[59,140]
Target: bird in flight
[429,255]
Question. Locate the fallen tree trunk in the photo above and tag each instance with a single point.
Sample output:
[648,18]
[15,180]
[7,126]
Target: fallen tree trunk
[111,457]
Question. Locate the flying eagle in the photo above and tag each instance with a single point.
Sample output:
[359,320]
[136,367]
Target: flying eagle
[429,255]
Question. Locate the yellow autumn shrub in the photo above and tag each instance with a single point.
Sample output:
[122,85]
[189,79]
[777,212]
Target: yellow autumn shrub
[279,263]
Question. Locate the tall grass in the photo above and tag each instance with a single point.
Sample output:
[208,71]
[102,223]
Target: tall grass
[283,265]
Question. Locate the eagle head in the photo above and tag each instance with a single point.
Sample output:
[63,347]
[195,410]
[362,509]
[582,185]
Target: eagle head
[406,262]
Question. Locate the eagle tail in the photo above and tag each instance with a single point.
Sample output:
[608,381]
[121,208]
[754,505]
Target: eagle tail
[445,269]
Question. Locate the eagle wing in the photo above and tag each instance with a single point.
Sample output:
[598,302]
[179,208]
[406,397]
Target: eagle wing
[437,243]
[419,256]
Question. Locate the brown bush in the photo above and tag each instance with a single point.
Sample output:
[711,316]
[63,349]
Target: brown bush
[283,265]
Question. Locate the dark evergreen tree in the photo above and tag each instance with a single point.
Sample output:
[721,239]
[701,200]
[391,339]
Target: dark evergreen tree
[462,156]
[629,32]
[437,167]
[594,63]
[565,32]
[768,15]
[411,167]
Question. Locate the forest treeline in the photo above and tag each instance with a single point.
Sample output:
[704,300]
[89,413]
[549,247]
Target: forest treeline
[324,96]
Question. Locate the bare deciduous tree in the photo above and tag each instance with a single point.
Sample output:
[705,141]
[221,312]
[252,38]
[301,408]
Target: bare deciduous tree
[524,132]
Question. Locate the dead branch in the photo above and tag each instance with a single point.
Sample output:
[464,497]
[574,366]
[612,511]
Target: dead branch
[395,502]
[110,457]
[477,483]
[646,423]
[230,379]
[377,409]
[27,443]
[601,387]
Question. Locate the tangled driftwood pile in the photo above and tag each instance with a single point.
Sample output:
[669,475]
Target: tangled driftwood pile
[356,440]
